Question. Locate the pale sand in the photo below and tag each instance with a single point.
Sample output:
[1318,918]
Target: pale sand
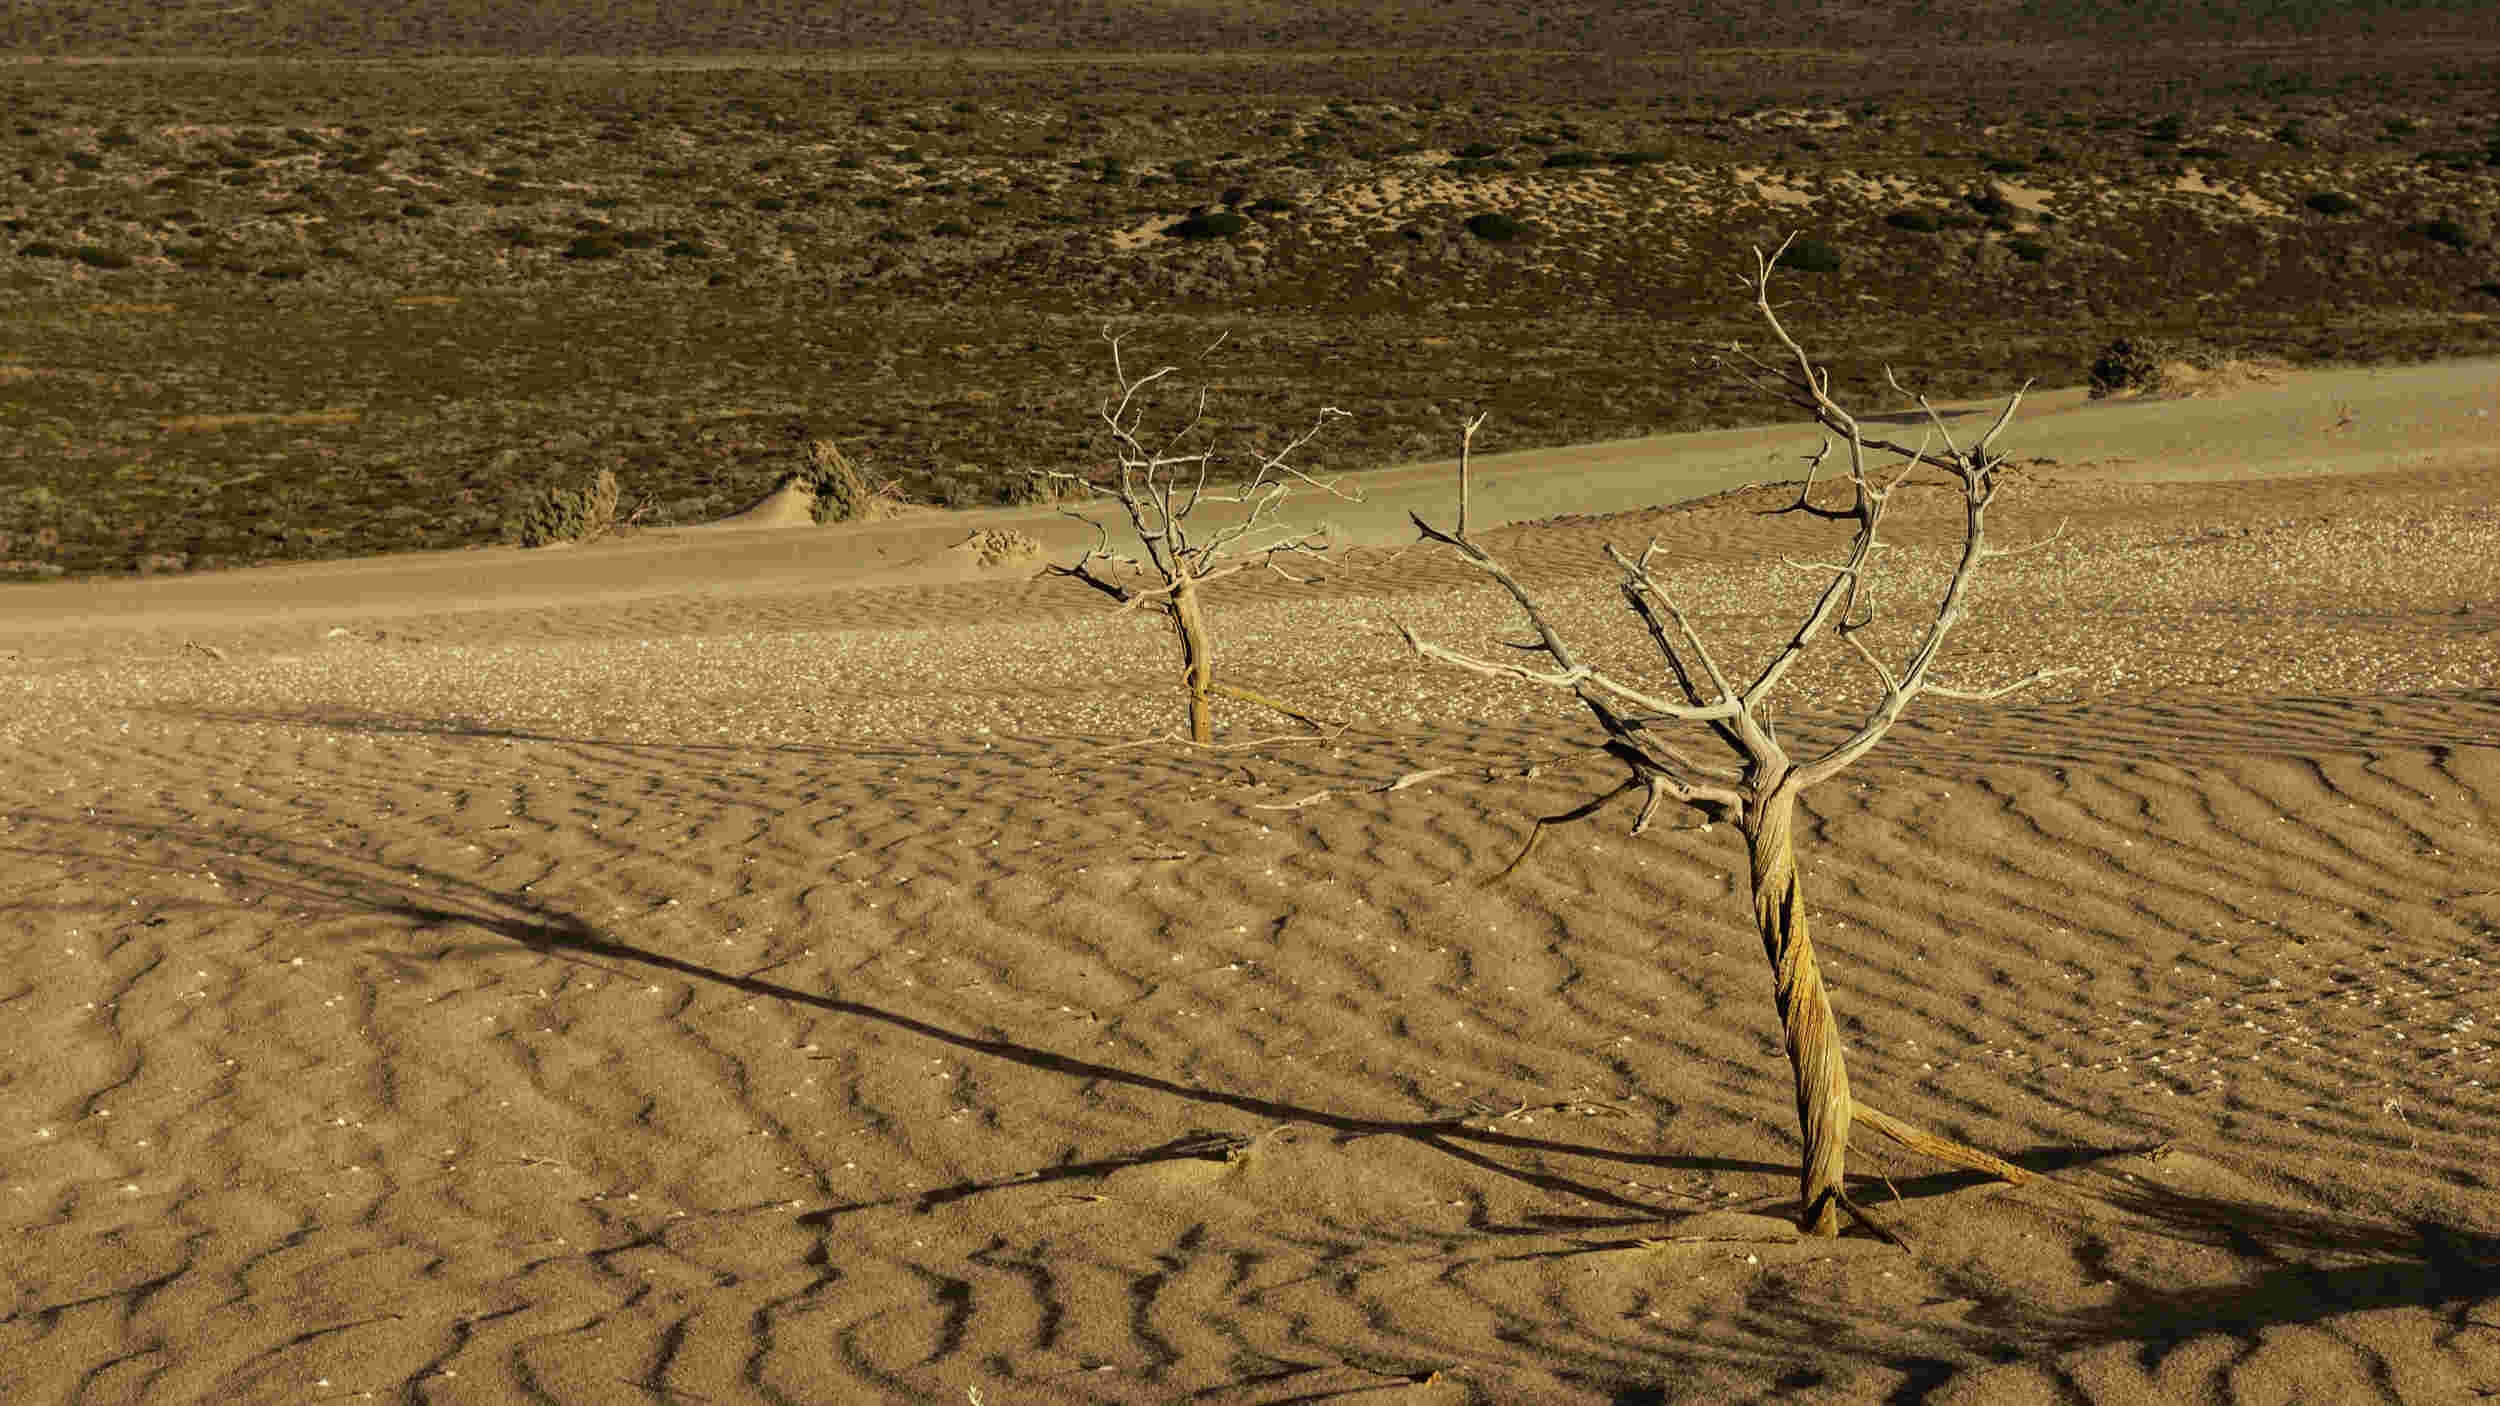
[761,965]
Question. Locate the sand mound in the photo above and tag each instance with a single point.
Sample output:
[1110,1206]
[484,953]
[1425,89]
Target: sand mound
[791,504]
[2188,380]
[994,547]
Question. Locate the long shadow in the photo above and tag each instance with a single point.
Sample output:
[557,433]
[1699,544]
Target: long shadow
[449,901]
[2419,1264]
[2317,1266]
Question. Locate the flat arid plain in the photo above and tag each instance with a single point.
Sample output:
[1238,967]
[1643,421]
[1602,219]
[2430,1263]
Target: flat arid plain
[794,964]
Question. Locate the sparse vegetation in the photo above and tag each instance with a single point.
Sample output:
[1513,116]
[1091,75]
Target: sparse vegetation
[1493,227]
[841,491]
[826,242]
[560,514]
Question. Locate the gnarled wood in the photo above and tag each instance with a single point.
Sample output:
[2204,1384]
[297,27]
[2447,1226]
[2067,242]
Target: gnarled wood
[1760,791]
[1160,488]
[1814,1050]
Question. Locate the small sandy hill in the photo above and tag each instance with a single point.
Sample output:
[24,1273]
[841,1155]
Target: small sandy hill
[992,547]
[791,504]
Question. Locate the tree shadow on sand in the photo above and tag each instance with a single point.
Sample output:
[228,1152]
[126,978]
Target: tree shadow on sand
[2290,1266]
[432,901]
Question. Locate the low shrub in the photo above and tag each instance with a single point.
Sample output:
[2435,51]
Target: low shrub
[1811,256]
[2331,202]
[841,494]
[1570,160]
[592,246]
[94,256]
[1990,202]
[1493,227]
[562,514]
[2132,364]
[2030,251]
[2439,231]
[1210,224]
[1915,221]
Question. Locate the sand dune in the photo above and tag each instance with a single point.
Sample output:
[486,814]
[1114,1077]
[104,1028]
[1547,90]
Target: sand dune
[772,988]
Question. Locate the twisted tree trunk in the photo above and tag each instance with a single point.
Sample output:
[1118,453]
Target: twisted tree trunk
[1814,1051]
[1197,658]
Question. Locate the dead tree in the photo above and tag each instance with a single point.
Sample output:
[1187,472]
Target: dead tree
[1162,487]
[1759,790]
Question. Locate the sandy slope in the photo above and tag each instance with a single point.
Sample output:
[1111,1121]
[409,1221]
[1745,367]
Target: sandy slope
[696,970]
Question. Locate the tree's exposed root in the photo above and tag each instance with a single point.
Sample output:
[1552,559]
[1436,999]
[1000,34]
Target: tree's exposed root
[1942,1149]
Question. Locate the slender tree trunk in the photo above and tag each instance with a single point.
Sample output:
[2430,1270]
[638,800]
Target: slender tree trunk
[1197,658]
[1814,1050]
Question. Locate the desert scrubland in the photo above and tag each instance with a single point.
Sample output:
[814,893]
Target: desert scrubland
[800,963]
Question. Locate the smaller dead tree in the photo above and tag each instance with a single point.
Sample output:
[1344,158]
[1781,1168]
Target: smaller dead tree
[1192,525]
[1759,786]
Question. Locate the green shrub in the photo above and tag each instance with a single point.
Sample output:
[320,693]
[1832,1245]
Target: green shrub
[2331,202]
[1210,224]
[1271,205]
[1811,256]
[1476,151]
[562,514]
[1493,226]
[95,256]
[1570,160]
[2439,231]
[592,246]
[2030,251]
[1642,158]
[687,249]
[1915,221]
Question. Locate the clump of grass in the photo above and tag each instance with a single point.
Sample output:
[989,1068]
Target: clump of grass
[561,514]
[841,493]
[1811,256]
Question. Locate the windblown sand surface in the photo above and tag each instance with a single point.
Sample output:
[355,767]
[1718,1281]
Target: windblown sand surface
[688,970]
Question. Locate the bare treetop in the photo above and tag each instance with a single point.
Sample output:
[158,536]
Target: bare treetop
[1758,784]
[1161,482]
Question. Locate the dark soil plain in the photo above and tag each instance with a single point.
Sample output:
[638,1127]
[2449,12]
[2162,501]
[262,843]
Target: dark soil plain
[311,281]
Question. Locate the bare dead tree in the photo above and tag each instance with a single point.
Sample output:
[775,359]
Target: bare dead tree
[1759,789]
[1162,486]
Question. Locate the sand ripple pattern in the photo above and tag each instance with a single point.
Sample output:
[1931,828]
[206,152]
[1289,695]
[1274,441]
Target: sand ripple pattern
[355,1061]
